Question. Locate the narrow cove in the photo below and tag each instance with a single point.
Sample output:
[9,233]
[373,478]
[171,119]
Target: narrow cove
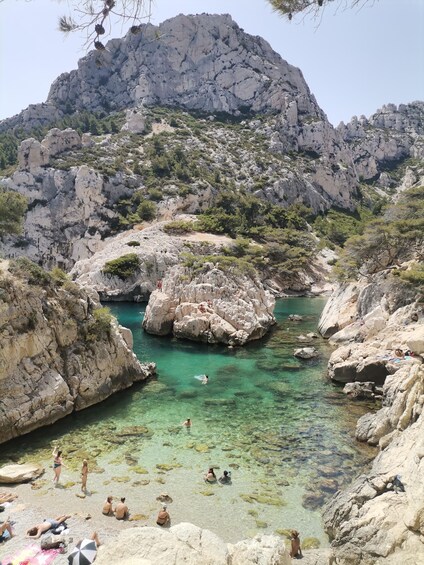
[281,428]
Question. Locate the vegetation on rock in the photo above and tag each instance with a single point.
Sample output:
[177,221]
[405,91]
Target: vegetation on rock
[123,267]
[12,210]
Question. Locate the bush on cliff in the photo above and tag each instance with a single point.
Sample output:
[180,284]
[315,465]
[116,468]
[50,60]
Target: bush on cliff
[12,211]
[395,238]
[100,326]
[123,267]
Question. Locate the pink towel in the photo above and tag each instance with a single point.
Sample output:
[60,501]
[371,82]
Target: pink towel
[32,555]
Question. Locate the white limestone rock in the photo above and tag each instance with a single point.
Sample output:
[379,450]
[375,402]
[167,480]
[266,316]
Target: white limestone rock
[260,550]
[21,473]
[212,306]
[306,353]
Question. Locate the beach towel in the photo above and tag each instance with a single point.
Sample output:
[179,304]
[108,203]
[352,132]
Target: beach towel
[32,555]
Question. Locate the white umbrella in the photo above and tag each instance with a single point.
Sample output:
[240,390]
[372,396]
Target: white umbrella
[84,553]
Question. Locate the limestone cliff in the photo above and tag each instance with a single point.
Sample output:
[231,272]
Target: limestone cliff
[59,351]
[374,521]
[211,304]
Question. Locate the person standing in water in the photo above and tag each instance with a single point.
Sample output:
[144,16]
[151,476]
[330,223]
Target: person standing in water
[205,380]
[187,423]
[57,464]
[84,475]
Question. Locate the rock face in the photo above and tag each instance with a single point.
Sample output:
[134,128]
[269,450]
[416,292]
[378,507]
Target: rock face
[374,521]
[374,152]
[56,355]
[214,306]
[186,543]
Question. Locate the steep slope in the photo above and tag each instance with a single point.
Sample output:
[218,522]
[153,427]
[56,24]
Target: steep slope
[59,351]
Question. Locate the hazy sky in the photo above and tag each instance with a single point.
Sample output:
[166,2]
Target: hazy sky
[354,61]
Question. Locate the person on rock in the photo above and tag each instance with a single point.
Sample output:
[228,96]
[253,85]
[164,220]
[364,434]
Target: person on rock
[163,518]
[295,550]
[121,510]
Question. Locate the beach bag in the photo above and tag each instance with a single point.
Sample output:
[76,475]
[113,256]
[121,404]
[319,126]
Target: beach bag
[52,542]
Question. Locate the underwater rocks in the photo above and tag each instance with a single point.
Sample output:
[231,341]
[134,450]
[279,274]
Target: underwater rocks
[213,306]
[306,353]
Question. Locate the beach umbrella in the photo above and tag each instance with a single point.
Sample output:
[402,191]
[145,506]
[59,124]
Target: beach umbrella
[84,553]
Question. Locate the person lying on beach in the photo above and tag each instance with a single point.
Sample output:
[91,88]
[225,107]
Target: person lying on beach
[121,510]
[107,506]
[6,531]
[49,524]
[7,497]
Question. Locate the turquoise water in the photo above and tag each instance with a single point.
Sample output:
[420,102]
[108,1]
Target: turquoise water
[276,423]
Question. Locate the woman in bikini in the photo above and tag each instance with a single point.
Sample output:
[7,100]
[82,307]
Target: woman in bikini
[57,464]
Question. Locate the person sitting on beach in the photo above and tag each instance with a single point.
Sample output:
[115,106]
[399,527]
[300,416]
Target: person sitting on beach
[107,507]
[163,518]
[49,524]
[210,476]
[121,510]
[205,380]
[399,353]
[187,423]
[295,550]
[6,531]
[225,479]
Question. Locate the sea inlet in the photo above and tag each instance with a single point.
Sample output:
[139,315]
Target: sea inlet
[282,429]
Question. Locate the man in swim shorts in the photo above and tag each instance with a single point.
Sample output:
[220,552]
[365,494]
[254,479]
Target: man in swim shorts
[49,524]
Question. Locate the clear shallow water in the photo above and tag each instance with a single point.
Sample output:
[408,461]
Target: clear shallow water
[282,429]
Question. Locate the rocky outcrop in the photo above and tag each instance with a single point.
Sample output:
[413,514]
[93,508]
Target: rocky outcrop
[376,521]
[20,473]
[215,305]
[186,543]
[375,154]
[58,352]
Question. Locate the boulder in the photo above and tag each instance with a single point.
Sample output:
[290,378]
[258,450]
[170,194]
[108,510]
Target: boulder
[306,353]
[20,473]
[360,391]
[340,309]
[415,342]
[260,550]
[213,306]
[295,318]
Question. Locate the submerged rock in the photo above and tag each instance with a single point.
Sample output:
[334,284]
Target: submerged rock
[306,353]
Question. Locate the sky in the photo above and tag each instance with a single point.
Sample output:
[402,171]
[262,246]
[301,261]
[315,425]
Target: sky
[354,60]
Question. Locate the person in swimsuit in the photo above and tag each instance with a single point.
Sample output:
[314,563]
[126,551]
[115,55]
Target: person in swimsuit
[295,550]
[6,531]
[84,474]
[187,423]
[107,507]
[57,464]
[225,479]
[121,510]
[49,524]
[205,380]
[210,476]
[163,518]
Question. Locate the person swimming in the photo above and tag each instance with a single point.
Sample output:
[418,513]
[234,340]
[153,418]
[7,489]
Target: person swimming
[210,476]
[205,380]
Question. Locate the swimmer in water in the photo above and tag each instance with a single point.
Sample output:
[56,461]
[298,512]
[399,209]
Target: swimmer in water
[205,380]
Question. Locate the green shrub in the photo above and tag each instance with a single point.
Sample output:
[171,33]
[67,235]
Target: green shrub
[30,272]
[123,267]
[178,227]
[133,243]
[100,326]
[59,276]
[146,210]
